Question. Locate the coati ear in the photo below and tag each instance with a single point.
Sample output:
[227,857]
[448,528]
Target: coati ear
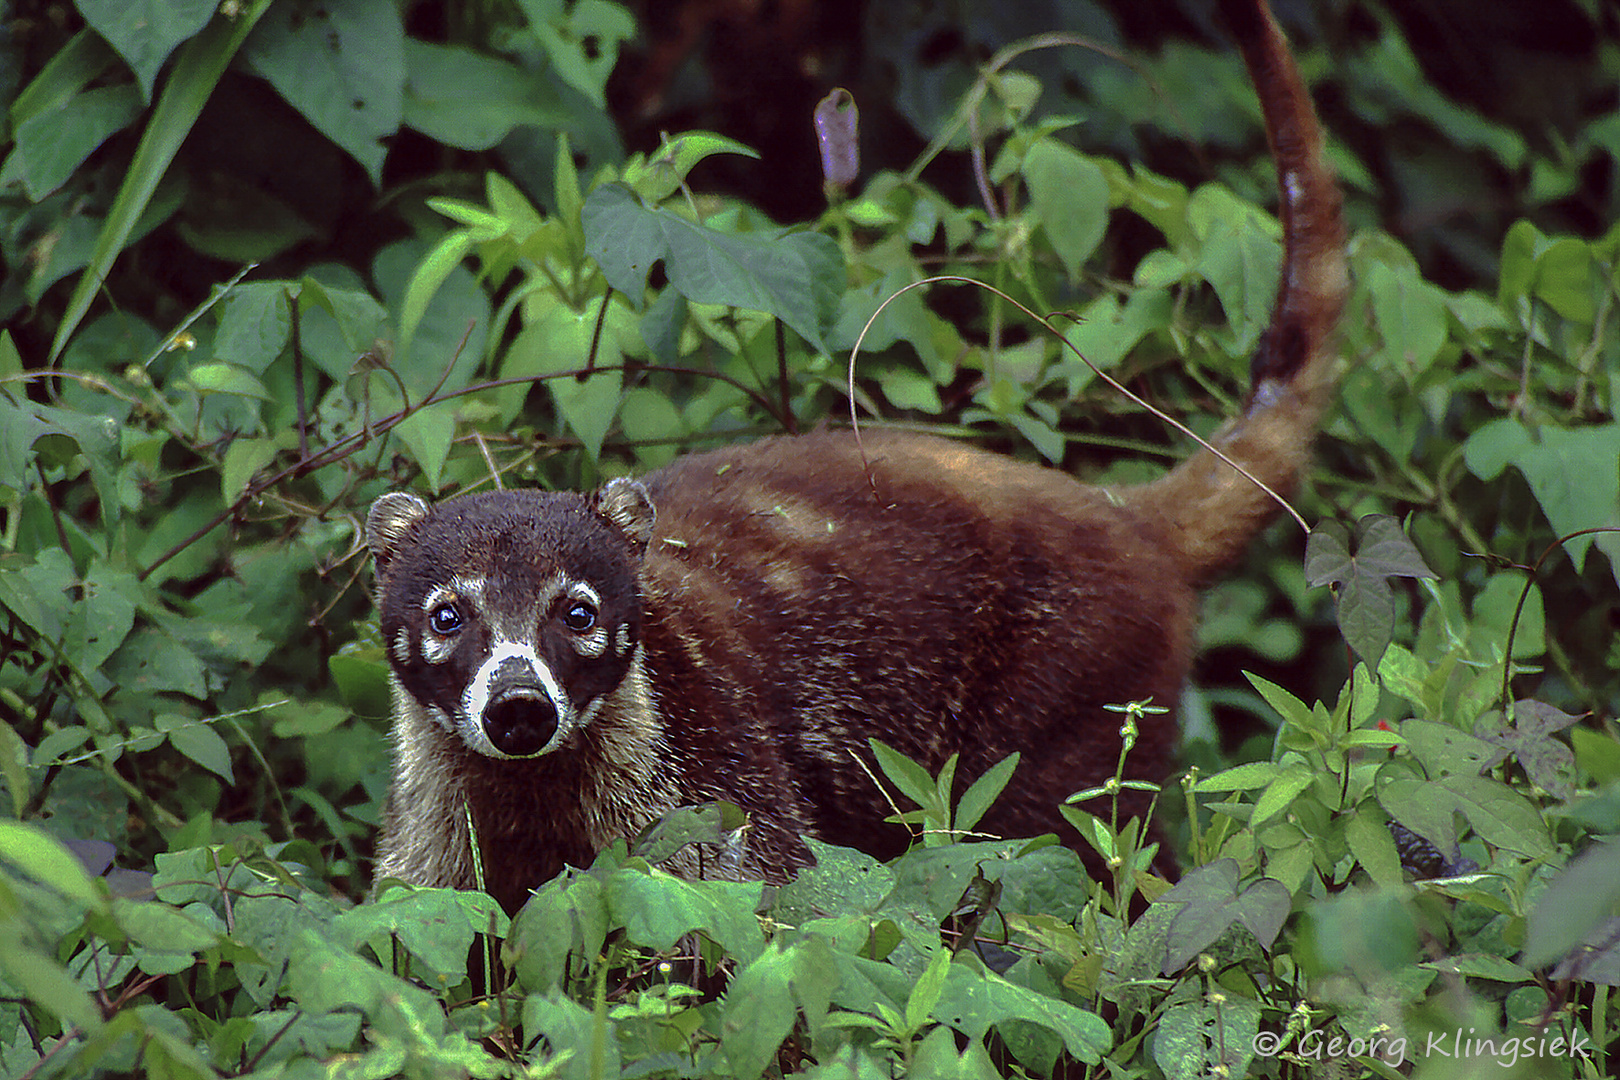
[391,520]
[627,505]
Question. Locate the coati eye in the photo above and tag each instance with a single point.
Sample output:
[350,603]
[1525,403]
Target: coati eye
[444,620]
[580,617]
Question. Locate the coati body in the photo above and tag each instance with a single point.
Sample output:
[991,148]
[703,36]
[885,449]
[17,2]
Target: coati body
[737,625]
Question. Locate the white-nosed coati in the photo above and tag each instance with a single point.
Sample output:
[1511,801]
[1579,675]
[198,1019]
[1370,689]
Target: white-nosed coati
[736,625]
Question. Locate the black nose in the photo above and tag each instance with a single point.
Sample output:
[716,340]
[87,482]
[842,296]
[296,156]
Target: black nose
[520,721]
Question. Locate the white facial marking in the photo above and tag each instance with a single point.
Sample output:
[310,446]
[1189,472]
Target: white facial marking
[476,697]
[402,645]
[621,641]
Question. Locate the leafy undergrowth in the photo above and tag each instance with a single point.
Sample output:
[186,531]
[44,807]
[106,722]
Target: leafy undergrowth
[1415,875]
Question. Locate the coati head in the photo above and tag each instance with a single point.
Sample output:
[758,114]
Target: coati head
[509,614]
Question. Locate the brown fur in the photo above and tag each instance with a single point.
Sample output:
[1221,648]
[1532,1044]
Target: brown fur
[780,603]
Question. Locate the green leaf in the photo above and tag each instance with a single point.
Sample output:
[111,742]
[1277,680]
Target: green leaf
[1410,313]
[1571,471]
[227,379]
[929,989]
[1578,900]
[656,909]
[561,341]
[255,325]
[975,1000]
[147,31]
[438,926]
[566,915]
[49,146]
[795,276]
[1209,902]
[1367,833]
[201,62]
[581,40]
[465,99]
[14,768]
[759,1011]
[341,64]
[1500,815]
[978,799]
[243,458]
[428,435]
[911,778]
[152,662]
[161,928]
[197,740]
[1070,197]
[36,853]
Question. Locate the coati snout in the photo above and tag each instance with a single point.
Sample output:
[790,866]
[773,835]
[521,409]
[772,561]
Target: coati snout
[739,624]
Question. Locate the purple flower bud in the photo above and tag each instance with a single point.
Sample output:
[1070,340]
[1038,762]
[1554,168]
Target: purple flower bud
[838,132]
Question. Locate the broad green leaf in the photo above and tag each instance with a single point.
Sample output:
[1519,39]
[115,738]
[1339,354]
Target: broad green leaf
[1070,197]
[929,989]
[198,740]
[656,909]
[33,851]
[1411,315]
[201,62]
[428,434]
[1500,815]
[243,458]
[559,342]
[147,31]
[341,64]
[227,379]
[438,926]
[49,146]
[152,662]
[1572,472]
[1565,276]
[759,1012]
[1207,1037]
[975,1000]
[39,977]
[565,915]
[255,325]
[1367,834]
[794,276]
[162,928]
[1578,900]
[465,99]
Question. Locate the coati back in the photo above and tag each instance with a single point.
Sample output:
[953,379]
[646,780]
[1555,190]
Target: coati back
[737,625]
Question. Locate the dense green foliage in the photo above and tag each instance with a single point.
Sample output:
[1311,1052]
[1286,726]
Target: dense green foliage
[194,749]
